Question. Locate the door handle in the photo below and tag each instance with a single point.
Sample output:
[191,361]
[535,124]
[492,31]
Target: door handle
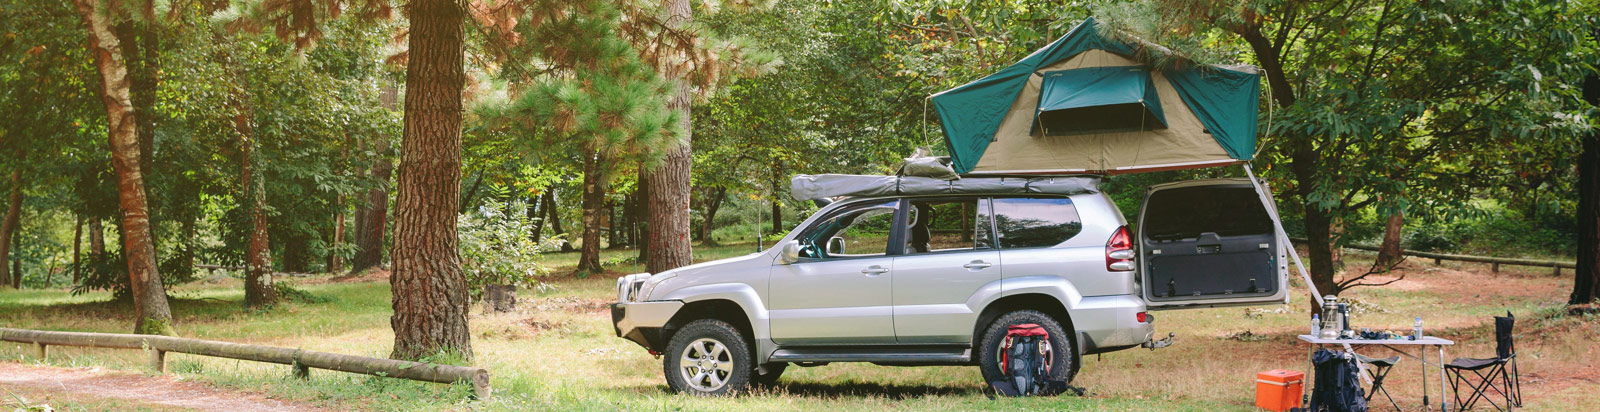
[874,270]
[977,265]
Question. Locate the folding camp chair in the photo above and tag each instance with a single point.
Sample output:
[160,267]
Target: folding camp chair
[1379,369]
[1493,373]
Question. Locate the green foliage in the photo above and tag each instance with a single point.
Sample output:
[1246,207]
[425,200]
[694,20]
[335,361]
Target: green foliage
[497,247]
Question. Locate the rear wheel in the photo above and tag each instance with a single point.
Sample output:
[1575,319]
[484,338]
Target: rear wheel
[708,357]
[1060,357]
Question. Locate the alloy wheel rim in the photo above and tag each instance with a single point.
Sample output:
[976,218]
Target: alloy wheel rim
[706,365]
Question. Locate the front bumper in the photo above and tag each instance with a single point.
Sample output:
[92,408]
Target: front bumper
[641,322]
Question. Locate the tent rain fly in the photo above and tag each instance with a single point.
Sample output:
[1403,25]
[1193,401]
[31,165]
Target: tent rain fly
[1085,104]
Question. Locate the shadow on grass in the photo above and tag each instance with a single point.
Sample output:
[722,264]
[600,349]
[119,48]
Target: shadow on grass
[866,389]
[834,390]
[122,310]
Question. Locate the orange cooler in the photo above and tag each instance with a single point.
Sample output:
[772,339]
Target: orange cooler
[1278,389]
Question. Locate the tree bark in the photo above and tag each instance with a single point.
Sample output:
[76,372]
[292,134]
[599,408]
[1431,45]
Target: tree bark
[1586,283]
[258,291]
[430,292]
[151,312]
[97,241]
[140,54]
[9,227]
[1389,250]
[593,195]
[668,244]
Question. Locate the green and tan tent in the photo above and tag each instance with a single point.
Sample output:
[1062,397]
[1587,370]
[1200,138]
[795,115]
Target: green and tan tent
[1088,103]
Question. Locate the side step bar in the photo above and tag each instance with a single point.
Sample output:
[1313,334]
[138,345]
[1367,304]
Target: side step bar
[938,355]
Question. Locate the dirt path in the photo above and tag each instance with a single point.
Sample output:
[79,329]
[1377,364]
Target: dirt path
[163,391]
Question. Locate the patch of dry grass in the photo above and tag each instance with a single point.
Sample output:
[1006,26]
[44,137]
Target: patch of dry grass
[557,350]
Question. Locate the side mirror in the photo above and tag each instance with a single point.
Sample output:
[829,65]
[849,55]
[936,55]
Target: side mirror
[836,245]
[790,252]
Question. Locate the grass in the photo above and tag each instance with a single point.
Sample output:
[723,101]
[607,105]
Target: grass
[558,352]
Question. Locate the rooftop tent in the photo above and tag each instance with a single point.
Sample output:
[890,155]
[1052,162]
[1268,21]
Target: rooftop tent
[1086,104]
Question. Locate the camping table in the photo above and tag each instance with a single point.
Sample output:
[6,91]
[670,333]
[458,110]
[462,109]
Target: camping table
[1317,343]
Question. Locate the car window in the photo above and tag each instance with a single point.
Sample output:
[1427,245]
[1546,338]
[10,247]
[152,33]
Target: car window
[1186,212]
[938,225]
[861,230]
[1035,222]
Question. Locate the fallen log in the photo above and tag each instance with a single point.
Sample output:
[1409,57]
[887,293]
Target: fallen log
[1496,261]
[302,360]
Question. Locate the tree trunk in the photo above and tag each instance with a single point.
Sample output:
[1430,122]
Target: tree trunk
[466,201]
[555,222]
[151,312]
[373,217]
[97,241]
[258,290]
[77,250]
[641,208]
[1586,283]
[777,217]
[612,225]
[140,54]
[713,204]
[430,292]
[968,217]
[668,205]
[8,228]
[593,195]
[16,267]
[336,262]
[536,212]
[1389,250]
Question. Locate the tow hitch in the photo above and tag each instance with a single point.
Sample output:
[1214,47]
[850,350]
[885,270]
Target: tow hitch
[1158,344]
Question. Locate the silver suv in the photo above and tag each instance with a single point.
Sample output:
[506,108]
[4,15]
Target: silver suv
[935,280]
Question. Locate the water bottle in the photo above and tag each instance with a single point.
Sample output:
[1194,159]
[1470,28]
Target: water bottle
[1316,326]
[1416,329]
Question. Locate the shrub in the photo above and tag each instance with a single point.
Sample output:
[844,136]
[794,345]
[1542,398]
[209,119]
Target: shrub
[497,247]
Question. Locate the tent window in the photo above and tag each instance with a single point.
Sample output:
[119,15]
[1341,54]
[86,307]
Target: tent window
[1097,100]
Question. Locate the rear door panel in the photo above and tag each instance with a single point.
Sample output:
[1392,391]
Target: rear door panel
[1209,243]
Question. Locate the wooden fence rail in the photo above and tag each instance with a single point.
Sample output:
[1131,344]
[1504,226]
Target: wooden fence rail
[1495,262]
[301,360]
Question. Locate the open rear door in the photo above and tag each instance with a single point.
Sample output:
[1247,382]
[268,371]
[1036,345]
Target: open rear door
[1208,243]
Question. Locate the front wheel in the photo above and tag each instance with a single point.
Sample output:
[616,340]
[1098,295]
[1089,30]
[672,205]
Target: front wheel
[1059,355]
[708,357]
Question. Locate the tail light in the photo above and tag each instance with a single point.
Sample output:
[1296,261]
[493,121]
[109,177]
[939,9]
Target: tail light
[1119,251]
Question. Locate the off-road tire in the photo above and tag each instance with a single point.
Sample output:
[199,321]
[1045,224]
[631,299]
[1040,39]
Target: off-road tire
[1064,363]
[737,350]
